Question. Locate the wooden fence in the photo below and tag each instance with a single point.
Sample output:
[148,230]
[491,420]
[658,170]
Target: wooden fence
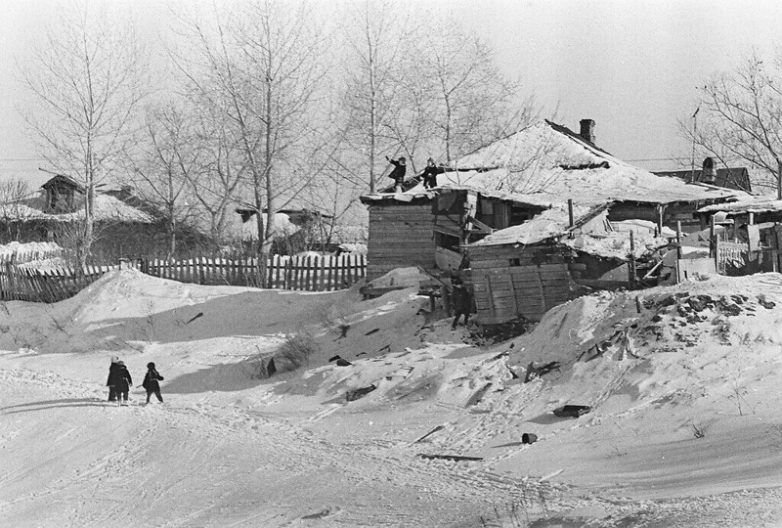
[321,273]
[19,283]
[311,273]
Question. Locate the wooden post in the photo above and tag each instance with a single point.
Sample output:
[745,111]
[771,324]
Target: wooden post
[660,214]
[717,255]
[678,239]
[9,272]
[712,237]
[571,219]
[632,260]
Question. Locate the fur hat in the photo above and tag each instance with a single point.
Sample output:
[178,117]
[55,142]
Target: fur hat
[120,362]
[150,365]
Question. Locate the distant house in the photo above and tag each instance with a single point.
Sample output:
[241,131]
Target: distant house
[730,178]
[55,213]
[296,230]
[525,216]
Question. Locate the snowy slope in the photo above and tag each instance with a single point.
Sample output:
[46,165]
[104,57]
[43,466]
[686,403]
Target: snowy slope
[228,449]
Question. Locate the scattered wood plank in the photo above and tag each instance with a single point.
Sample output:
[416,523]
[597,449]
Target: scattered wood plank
[478,396]
[355,394]
[455,458]
[430,433]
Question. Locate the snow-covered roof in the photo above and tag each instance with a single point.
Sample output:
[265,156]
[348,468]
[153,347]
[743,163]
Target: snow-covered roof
[747,204]
[105,207]
[611,242]
[546,163]
[282,226]
[552,222]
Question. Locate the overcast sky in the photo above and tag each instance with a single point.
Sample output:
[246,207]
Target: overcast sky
[632,66]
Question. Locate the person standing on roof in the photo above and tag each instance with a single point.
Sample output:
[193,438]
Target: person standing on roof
[430,174]
[398,174]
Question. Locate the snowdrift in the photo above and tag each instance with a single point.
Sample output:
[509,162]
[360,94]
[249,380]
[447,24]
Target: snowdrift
[681,381]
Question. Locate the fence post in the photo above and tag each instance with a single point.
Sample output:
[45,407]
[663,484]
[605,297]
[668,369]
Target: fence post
[9,271]
[308,282]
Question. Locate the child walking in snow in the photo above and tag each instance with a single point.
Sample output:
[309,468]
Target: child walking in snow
[123,383]
[151,382]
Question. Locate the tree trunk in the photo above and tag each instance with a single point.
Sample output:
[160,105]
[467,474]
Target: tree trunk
[779,179]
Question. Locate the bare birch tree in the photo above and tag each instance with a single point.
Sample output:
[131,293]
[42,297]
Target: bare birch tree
[263,67]
[165,163]
[740,117]
[377,46]
[87,79]
[218,185]
[472,103]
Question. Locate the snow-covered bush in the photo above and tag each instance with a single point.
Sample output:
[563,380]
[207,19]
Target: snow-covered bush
[296,350]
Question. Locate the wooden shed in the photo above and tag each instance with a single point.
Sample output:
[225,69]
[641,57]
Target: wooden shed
[400,235]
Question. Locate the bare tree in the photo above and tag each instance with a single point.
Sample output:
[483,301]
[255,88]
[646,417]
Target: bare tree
[87,80]
[218,185]
[163,166]
[12,193]
[740,116]
[377,47]
[262,67]
[472,102]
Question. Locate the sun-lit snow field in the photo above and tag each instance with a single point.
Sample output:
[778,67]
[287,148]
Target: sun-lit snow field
[684,384]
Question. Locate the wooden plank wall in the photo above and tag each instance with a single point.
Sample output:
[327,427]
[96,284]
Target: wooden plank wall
[509,282]
[400,235]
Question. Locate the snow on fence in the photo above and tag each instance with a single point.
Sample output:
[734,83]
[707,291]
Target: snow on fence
[18,283]
[28,255]
[308,273]
[311,273]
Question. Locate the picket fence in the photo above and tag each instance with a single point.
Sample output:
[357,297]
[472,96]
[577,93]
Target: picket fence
[24,282]
[307,273]
[20,283]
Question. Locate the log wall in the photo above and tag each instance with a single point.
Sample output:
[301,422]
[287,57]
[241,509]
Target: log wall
[400,236]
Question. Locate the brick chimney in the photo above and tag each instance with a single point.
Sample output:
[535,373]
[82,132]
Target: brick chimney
[709,174]
[588,130]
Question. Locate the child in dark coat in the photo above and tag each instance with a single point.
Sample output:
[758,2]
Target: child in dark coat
[123,382]
[398,174]
[113,379]
[462,302]
[151,382]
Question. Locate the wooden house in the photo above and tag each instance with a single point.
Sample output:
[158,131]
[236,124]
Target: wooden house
[727,177]
[541,215]
[56,212]
[527,179]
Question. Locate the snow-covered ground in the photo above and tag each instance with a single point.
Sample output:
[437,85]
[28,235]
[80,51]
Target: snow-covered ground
[683,381]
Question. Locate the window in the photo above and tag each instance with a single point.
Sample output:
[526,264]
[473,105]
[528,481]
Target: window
[447,241]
